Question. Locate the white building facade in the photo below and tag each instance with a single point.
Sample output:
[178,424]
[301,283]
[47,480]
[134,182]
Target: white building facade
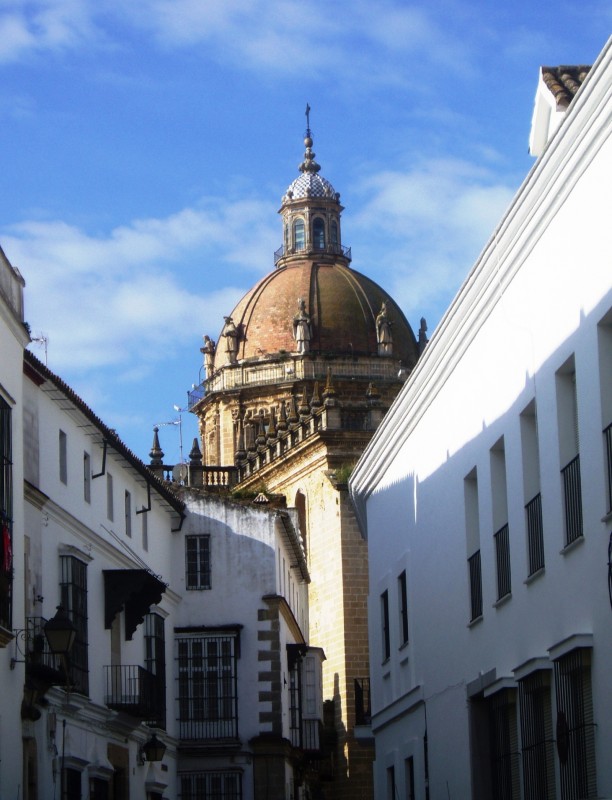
[244,626]
[13,339]
[99,536]
[190,614]
[486,500]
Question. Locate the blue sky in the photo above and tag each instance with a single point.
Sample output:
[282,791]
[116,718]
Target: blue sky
[146,144]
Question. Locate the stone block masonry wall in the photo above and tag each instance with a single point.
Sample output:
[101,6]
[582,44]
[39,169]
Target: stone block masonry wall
[269,671]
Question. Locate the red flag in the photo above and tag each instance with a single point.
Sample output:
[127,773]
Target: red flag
[7,551]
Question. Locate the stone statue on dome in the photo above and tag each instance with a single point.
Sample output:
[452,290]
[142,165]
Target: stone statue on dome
[302,331]
[230,332]
[383,332]
[209,355]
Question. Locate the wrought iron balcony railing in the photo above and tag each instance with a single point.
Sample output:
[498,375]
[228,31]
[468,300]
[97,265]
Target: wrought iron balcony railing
[134,690]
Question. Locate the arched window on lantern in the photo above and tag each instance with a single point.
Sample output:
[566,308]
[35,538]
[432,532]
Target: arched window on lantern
[299,239]
[333,229]
[318,233]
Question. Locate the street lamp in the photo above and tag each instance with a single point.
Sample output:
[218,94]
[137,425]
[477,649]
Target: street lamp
[60,633]
[153,750]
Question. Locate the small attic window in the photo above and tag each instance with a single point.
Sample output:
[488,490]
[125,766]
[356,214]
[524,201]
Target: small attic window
[298,234]
[318,233]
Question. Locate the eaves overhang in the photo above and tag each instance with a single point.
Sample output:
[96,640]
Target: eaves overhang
[70,403]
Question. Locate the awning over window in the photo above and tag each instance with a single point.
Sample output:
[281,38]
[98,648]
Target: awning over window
[134,590]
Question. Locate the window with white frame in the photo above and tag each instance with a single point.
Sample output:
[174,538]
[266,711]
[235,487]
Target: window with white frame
[197,561]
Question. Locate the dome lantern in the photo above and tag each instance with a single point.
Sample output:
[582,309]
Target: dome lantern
[310,209]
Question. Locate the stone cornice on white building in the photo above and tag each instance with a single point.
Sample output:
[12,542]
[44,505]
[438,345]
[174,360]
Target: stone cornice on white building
[575,144]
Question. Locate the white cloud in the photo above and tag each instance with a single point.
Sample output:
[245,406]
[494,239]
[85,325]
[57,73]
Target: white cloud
[132,295]
[41,25]
[431,222]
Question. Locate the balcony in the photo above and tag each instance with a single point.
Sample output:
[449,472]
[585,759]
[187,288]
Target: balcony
[333,249]
[135,691]
[42,665]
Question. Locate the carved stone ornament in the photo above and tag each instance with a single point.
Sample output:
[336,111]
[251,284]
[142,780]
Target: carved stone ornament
[384,335]
[231,335]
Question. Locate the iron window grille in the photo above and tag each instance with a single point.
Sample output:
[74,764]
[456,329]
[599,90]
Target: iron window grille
[155,663]
[502,558]
[537,736]
[572,496]
[403,607]
[223,785]
[6,516]
[608,439]
[197,557]
[503,737]
[475,585]
[575,725]
[207,687]
[73,594]
[535,534]
[384,611]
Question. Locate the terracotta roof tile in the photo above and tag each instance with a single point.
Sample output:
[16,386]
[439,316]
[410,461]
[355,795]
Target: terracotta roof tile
[564,82]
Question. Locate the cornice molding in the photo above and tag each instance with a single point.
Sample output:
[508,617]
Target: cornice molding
[549,183]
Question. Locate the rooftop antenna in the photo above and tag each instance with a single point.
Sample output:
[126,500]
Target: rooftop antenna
[42,341]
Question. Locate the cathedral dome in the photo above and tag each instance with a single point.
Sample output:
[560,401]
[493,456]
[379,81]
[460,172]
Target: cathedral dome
[313,304]
[342,304]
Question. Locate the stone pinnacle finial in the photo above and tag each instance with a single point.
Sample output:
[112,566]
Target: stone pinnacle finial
[195,454]
[308,164]
[156,453]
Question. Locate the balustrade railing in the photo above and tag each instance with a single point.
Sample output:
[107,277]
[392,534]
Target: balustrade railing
[134,690]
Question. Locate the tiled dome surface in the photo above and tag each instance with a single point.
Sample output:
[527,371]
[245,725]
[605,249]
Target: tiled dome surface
[342,303]
[310,184]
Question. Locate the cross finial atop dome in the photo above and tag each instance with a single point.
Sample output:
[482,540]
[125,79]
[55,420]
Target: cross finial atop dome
[309,164]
